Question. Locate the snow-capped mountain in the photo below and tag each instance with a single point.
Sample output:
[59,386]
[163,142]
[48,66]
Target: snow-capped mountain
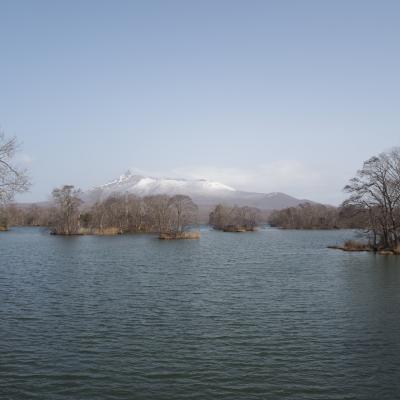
[202,191]
[144,185]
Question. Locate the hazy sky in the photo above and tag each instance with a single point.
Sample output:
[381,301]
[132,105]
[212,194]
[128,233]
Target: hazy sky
[262,95]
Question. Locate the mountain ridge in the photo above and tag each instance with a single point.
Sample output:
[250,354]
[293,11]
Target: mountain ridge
[204,192]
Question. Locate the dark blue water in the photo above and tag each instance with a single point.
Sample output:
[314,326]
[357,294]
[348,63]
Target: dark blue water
[266,315]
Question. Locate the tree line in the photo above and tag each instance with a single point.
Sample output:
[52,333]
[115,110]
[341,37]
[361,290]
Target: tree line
[119,213]
[317,216]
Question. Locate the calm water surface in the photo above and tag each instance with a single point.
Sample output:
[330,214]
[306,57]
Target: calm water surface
[266,315]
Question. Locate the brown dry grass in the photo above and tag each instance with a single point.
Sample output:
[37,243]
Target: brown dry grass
[176,236]
[353,245]
[107,231]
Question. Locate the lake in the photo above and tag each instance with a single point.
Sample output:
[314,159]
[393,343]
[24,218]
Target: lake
[267,315]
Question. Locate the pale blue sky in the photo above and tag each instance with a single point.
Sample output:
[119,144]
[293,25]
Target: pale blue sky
[262,95]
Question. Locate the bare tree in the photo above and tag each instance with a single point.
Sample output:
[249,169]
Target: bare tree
[67,200]
[13,180]
[376,189]
[185,212]
[219,217]
[134,213]
[158,210]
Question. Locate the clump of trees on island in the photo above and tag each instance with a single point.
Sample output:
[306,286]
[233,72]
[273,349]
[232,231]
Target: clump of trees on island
[234,219]
[169,216]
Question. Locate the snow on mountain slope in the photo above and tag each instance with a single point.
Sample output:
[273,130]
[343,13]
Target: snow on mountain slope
[144,186]
[202,191]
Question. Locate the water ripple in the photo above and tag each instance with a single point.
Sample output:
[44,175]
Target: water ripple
[269,315]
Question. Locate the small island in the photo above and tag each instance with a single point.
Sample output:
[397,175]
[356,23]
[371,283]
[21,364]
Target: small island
[235,219]
[170,217]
